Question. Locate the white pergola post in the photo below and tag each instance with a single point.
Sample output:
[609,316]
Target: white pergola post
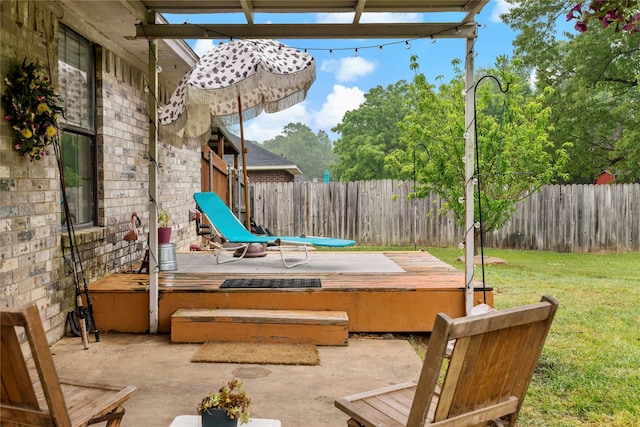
[469,148]
[153,180]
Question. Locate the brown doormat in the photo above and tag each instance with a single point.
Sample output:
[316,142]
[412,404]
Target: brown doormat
[259,353]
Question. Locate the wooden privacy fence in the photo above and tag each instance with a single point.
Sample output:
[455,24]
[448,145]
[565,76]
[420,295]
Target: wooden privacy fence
[563,218]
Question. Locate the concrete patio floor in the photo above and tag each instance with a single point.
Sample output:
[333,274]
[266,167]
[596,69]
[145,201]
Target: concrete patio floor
[168,384]
[319,262]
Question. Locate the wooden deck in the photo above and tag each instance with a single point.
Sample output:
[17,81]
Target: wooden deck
[375,302]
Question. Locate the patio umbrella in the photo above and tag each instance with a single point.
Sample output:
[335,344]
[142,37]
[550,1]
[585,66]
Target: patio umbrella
[236,81]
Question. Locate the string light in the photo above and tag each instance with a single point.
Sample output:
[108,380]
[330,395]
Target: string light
[147,89]
[432,37]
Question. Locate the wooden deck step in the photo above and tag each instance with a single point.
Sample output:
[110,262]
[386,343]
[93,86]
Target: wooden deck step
[251,325]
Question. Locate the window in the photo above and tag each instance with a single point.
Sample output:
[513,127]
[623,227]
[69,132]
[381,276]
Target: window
[76,80]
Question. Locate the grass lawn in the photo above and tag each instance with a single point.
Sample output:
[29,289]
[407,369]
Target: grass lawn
[589,372]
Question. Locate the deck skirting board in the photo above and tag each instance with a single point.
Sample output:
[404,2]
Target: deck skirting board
[392,302]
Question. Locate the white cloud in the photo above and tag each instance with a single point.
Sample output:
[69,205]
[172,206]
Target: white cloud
[202,46]
[347,18]
[533,79]
[390,17]
[348,69]
[334,18]
[501,7]
[267,126]
[339,101]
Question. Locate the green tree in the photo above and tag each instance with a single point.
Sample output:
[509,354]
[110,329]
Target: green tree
[512,139]
[311,152]
[595,77]
[370,133]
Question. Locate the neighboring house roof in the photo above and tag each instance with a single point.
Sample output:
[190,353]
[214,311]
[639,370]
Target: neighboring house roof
[232,144]
[261,159]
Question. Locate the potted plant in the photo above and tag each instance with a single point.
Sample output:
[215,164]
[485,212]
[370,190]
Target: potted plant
[225,407]
[164,230]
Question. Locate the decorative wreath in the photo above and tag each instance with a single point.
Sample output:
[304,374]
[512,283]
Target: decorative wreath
[32,108]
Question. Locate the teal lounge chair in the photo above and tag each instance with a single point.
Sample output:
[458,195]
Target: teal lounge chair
[228,226]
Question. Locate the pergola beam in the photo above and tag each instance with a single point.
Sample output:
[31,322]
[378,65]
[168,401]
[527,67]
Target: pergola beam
[247,8]
[315,6]
[359,10]
[306,31]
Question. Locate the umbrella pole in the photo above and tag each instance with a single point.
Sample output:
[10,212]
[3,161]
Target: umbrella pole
[244,170]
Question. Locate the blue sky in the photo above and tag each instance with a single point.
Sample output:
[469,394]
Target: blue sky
[343,77]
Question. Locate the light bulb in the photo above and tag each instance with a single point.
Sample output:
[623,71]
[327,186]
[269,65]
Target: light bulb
[460,199]
[461,245]
[159,69]
[476,225]
[160,109]
[146,89]
[407,45]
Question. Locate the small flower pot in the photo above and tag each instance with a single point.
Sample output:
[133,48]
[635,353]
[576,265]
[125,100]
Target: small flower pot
[217,418]
[164,235]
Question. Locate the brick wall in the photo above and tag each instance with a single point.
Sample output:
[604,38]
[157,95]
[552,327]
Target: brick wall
[32,267]
[30,263]
[270,176]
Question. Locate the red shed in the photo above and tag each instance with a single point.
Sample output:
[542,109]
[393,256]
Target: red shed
[605,178]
